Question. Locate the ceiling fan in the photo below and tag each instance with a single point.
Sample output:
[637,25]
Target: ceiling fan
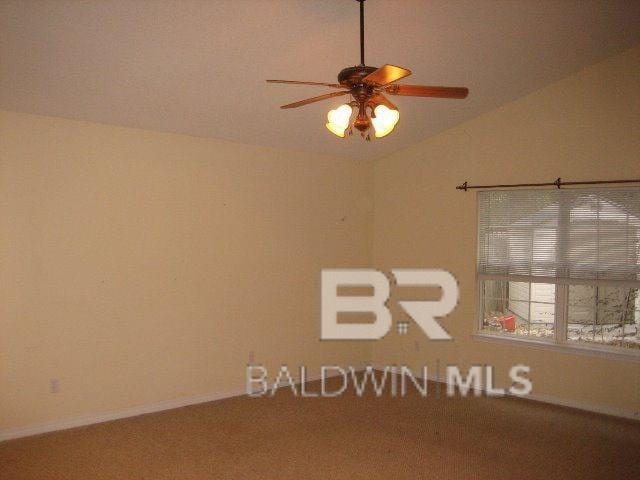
[367,87]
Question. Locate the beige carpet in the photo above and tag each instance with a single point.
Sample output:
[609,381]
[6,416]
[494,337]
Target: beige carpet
[341,438]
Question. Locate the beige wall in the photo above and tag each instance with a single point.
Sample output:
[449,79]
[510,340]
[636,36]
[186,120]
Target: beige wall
[139,267]
[584,127]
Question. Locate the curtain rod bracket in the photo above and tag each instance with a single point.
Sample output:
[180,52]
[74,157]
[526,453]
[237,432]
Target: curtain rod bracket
[462,187]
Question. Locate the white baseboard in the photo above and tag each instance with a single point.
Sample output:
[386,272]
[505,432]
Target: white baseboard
[90,419]
[80,421]
[603,409]
[563,402]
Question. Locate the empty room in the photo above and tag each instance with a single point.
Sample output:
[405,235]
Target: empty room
[297,239]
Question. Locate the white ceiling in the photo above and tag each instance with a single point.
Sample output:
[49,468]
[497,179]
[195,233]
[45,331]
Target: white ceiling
[198,67]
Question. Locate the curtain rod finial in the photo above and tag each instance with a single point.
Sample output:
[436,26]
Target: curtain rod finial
[462,187]
[558,182]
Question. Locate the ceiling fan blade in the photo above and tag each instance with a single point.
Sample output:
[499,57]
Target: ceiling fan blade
[315,99]
[380,99]
[333,85]
[425,91]
[386,74]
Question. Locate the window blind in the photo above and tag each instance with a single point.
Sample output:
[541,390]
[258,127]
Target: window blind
[560,236]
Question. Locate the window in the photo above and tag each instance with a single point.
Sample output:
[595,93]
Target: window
[561,266]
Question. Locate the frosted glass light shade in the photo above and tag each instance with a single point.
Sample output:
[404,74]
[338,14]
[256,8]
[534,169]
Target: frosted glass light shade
[339,119]
[384,120]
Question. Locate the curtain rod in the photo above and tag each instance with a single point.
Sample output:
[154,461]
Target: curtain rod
[558,183]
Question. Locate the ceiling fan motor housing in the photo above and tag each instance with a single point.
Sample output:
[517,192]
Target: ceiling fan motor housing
[352,76]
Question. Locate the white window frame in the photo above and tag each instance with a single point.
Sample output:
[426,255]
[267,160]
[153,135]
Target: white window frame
[559,341]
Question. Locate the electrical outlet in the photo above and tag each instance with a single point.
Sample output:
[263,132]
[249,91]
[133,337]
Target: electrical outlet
[54,385]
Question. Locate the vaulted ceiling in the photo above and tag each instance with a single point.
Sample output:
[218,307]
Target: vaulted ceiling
[198,67]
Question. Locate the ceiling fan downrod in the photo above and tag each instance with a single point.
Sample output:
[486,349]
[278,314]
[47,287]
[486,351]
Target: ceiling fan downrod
[361,32]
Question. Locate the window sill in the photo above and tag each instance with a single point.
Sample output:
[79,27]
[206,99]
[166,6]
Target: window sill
[592,350]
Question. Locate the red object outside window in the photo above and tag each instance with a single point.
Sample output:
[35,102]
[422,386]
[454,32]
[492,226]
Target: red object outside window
[508,322]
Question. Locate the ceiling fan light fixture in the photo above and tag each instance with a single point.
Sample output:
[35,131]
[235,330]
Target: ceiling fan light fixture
[384,120]
[339,119]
